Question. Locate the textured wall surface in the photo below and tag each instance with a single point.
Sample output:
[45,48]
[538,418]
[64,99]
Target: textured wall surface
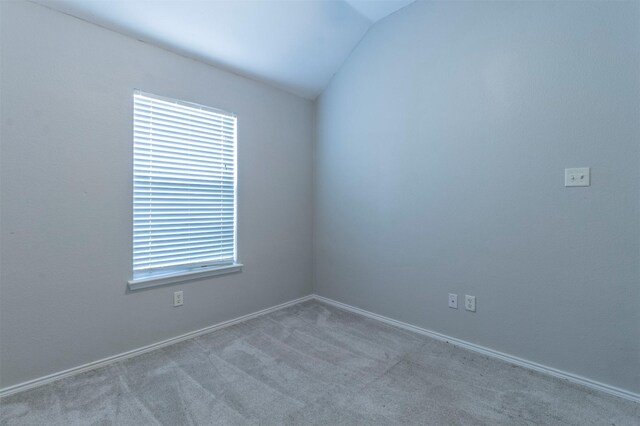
[439,163]
[66,195]
[441,148]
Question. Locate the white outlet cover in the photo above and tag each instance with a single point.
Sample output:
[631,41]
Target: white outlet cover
[470,303]
[453,301]
[178,299]
[580,176]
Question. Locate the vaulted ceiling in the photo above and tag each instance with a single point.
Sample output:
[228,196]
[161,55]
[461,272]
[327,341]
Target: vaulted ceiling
[296,45]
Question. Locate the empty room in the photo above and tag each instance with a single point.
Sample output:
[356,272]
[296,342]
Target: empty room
[319,212]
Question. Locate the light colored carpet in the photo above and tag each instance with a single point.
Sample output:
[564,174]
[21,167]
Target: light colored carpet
[314,364]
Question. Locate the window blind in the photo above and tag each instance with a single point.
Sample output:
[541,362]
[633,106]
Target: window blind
[184,202]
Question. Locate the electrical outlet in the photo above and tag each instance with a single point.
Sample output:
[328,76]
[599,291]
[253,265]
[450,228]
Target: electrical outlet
[453,301]
[470,303]
[178,298]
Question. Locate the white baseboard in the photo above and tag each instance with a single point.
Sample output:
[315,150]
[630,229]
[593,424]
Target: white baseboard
[611,390]
[20,387]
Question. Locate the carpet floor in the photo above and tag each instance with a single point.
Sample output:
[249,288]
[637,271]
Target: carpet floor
[314,364]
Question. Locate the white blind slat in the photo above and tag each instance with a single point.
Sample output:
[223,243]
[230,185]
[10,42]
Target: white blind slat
[184,200]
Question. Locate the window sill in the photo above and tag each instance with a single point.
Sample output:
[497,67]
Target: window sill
[181,276]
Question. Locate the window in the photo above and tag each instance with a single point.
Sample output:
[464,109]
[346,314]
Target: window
[184,191]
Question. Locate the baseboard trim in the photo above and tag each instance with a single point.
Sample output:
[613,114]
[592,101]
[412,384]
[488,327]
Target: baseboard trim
[611,390]
[20,387]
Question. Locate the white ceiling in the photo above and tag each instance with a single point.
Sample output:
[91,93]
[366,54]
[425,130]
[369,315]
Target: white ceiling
[375,10]
[296,45]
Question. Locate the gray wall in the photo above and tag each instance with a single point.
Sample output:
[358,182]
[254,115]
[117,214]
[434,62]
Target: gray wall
[66,195]
[441,146]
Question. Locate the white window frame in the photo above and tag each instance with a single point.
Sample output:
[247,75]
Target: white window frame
[182,274]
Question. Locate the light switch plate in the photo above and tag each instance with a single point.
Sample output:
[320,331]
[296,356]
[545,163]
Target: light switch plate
[577,177]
